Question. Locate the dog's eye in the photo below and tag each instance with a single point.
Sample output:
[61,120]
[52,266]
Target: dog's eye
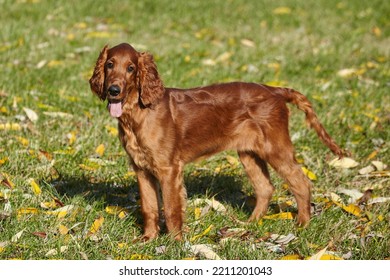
[130,69]
[110,65]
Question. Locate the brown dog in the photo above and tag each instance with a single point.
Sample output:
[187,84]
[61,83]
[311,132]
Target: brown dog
[162,129]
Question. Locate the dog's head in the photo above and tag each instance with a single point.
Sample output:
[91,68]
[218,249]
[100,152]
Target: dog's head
[120,72]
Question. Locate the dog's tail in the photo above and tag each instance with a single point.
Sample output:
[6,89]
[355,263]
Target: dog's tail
[299,100]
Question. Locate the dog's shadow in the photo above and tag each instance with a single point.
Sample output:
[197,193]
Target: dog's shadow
[227,189]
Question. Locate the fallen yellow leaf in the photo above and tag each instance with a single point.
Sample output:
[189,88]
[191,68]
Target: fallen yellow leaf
[377,31]
[274,66]
[81,25]
[54,63]
[63,230]
[328,257]
[27,210]
[61,212]
[114,210]
[112,130]
[71,137]
[100,150]
[280,216]
[291,257]
[49,204]
[22,140]
[353,209]
[89,167]
[232,160]
[205,232]
[3,160]
[276,83]
[129,174]
[96,225]
[357,128]
[309,174]
[35,187]
[197,212]
[139,257]
[100,34]
[122,214]
[10,126]
[68,151]
[282,11]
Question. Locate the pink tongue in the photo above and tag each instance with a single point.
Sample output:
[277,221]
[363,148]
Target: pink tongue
[115,109]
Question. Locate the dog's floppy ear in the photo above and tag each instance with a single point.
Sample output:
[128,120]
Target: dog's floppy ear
[150,85]
[96,82]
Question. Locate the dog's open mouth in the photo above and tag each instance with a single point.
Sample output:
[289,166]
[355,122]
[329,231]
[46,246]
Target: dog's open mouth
[115,109]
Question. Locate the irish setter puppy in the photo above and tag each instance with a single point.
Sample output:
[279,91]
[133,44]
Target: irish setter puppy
[162,129]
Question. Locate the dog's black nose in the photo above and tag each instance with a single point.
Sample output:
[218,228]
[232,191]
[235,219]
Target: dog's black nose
[114,90]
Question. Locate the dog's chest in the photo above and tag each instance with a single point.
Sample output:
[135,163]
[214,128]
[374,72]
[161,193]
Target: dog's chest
[138,154]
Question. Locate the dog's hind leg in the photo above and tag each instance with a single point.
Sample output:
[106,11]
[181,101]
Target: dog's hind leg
[258,174]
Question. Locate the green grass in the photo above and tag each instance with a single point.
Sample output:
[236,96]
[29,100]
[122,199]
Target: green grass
[47,52]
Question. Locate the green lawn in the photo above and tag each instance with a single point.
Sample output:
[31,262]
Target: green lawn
[66,190]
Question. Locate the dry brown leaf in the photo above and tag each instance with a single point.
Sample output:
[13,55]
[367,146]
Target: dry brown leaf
[205,250]
[6,181]
[343,163]
[365,197]
[40,234]
[51,252]
[248,43]
[378,200]
[353,193]
[45,155]
[58,115]
[366,170]
[17,236]
[3,245]
[380,166]
[318,255]
[31,114]
[282,239]
[216,205]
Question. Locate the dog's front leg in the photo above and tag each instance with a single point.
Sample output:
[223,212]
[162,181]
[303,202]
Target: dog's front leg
[174,199]
[150,203]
